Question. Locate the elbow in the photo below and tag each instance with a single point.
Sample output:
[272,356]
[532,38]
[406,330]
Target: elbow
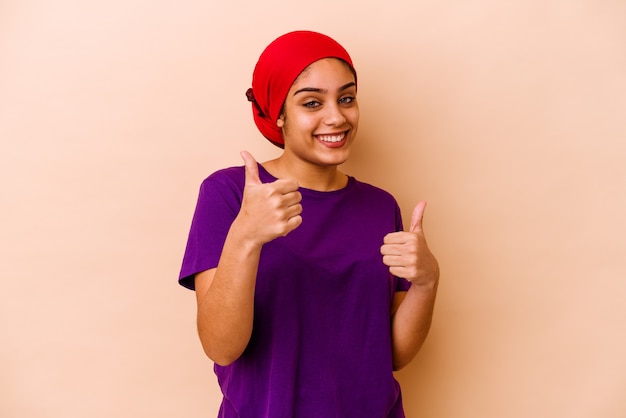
[222,355]
[402,358]
[222,359]
[222,350]
[397,364]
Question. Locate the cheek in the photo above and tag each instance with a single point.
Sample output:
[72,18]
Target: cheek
[353,116]
[299,122]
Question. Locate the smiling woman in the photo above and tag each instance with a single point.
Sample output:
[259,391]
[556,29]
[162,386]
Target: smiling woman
[306,302]
[319,123]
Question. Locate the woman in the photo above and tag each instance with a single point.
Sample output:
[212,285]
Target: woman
[309,293]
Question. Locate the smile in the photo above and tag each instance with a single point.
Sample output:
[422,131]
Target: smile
[332,137]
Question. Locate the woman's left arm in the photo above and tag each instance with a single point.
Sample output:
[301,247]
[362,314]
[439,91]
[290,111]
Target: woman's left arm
[407,255]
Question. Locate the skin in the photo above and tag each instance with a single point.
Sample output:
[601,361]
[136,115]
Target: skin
[319,123]
[321,103]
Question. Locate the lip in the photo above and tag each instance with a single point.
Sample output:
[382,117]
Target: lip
[330,144]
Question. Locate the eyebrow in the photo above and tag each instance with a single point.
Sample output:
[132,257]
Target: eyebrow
[318,90]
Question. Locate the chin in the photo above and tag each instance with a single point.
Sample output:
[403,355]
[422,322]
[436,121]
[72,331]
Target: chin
[335,158]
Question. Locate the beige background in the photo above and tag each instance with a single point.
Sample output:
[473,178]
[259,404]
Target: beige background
[508,117]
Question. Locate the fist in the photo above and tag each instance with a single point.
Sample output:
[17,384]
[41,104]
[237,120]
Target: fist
[268,210]
[406,253]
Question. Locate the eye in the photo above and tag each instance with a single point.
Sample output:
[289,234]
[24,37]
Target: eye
[346,100]
[311,104]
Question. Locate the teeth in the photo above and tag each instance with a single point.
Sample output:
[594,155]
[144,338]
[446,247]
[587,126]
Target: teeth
[331,138]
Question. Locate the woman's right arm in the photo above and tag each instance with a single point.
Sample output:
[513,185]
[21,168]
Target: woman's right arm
[225,297]
[225,294]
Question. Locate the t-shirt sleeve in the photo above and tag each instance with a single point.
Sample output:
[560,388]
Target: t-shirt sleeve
[402,285]
[218,204]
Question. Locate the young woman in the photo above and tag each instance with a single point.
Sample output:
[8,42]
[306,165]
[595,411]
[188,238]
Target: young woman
[309,292]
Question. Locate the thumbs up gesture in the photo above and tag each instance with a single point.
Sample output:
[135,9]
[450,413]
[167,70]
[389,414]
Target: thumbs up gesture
[406,253]
[268,210]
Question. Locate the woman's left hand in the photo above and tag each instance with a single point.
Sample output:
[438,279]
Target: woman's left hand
[407,255]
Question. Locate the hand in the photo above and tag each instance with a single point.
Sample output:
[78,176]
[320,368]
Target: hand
[407,255]
[268,210]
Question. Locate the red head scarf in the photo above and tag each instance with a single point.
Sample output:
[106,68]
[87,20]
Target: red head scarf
[278,67]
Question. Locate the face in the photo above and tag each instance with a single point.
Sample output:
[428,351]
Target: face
[321,114]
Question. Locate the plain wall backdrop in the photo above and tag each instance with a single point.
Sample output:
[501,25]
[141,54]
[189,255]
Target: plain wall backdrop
[509,118]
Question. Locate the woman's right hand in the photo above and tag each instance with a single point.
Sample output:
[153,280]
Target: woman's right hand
[268,210]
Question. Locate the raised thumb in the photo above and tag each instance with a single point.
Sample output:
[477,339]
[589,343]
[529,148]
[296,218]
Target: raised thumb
[252,169]
[417,216]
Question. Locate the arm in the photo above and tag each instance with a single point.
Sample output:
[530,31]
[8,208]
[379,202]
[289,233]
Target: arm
[411,322]
[225,298]
[225,294]
[408,256]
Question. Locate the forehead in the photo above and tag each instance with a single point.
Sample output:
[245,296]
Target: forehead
[327,71]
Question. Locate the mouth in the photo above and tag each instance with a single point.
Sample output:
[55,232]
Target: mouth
[333,138]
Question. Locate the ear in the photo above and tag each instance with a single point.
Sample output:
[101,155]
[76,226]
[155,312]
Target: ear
[280,122]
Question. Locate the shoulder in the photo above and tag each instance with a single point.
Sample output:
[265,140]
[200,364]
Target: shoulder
[226,183]
[226,177]
[371,191]
[376,203]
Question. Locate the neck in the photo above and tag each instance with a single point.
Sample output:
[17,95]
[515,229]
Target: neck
[308,176]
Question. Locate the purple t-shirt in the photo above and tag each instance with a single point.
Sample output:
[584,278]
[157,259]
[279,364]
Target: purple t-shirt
[321,339]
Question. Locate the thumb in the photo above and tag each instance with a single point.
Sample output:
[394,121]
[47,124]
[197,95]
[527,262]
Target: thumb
[252,169]
[417,217]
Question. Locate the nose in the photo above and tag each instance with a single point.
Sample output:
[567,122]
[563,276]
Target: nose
[334,115]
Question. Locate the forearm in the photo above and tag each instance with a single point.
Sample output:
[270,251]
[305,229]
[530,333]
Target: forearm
[226,300]
[411,322]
